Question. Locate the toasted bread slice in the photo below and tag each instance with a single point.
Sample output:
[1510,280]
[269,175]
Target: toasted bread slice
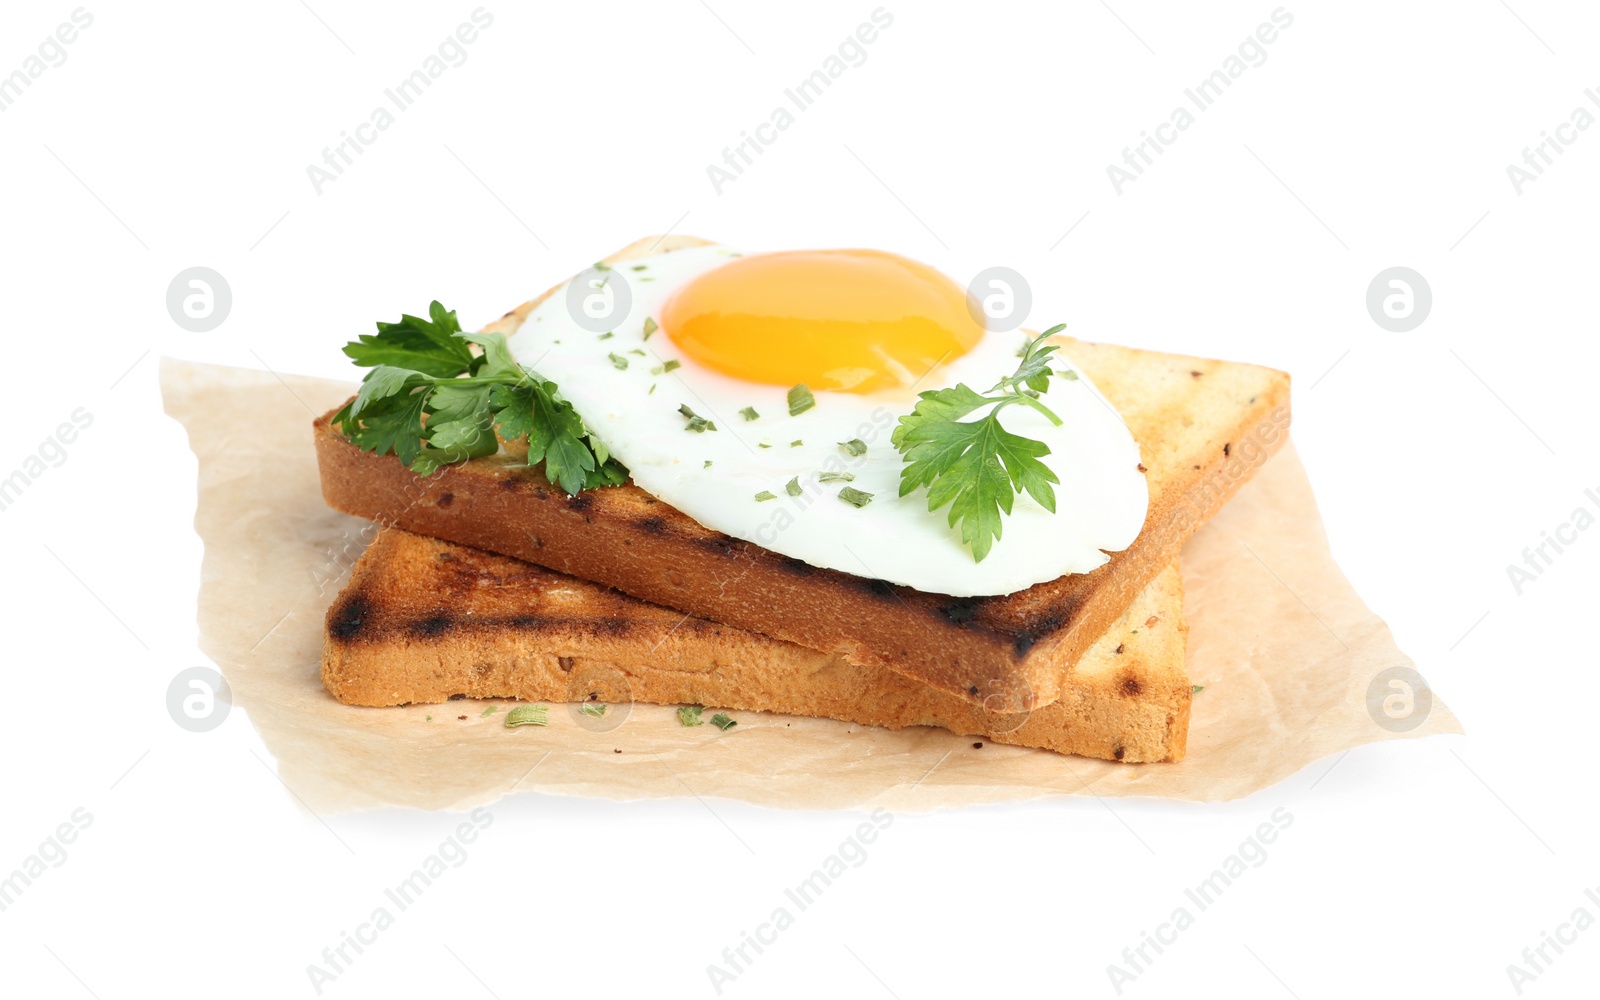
[1203,428]
[423,620]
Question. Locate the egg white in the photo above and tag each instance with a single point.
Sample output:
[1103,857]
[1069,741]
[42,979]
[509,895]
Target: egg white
[713,476]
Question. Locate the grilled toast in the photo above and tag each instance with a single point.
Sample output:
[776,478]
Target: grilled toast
[1203,428]
[423,620]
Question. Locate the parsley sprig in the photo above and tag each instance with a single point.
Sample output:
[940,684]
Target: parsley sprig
[978,467]
[432,400]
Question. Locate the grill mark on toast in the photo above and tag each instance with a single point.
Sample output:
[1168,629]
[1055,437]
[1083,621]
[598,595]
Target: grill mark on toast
[721,545]
[433,626]
[798,567]
[348,616]
[1036,631]
[443,627]
[960,611]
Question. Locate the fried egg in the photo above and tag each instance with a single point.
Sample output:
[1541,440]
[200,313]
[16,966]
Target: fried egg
[683,365]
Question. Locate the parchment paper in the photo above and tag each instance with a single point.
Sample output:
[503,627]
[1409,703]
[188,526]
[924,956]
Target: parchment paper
[1286,651]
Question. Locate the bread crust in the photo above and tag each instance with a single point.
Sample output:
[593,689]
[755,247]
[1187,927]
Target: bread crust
[423,620]
[1203,429]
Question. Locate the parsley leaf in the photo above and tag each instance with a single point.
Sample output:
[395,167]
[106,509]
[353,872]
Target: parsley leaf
[432,401]
[978,467]
[430,346]
[387,423]
[689,715]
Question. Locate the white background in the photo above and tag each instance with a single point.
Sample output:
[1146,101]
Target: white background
[1374,135]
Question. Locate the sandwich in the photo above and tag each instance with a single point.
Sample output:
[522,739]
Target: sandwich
[826,453]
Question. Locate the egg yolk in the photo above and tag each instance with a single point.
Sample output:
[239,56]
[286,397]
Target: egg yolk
[846,320]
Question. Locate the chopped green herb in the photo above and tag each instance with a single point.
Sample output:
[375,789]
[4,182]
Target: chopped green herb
[489,711]
[650,327]
[671,364]
[689,715]
[607,335]
[855,446]
[638,267]
[1197,689]
[792,487]
[765,495]
[697,423]
[638,352]
[855,497]
[601,265]
[647,279]
[430,718]
[800,400]
[1069,375]
[722,722]
[796,443]
[707,465]
[528,715]
[651,391]
[749,413]
[618,362]
[837,477]
[593,709]
[762,444]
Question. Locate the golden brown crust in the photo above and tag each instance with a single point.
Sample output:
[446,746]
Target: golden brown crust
[423,620]
[1203,428]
